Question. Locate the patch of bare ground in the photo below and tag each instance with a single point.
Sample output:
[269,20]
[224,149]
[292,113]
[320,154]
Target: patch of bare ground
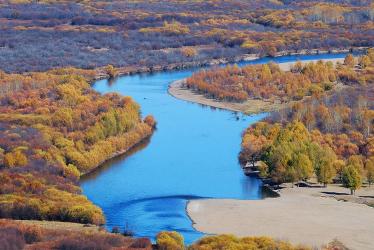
[302,215]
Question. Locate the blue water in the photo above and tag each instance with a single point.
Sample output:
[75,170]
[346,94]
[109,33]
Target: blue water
[193,154]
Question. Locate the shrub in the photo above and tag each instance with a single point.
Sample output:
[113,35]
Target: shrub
[188,51]
[9,160]
[170,241]
[150,120]
[252,243]
[111,71]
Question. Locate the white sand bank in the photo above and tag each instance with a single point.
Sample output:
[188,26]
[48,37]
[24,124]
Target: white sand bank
[300,215]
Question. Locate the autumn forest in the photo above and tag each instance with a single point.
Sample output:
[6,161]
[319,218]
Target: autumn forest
[56,128]
[327,134]
[38,36]
[330,134]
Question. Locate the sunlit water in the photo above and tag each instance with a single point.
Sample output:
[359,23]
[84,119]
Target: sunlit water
[193,154]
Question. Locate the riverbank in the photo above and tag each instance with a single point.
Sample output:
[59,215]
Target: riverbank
[130,70]
[251,106]
[129,185]
[141,140]
[302,215]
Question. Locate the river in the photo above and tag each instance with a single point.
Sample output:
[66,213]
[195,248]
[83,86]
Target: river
[193,154]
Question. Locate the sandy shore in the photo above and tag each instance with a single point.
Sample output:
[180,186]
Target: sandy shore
[251,106]
[300,215]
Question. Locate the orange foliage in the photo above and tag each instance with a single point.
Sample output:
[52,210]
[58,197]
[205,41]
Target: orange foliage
[51,135]
[267,82]
[16,235]
[341,121]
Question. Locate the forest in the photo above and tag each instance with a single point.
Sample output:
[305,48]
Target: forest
[41,35]
[55,128]
[329,136]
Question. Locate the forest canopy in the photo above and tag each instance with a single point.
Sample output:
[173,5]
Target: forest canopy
[266,82]
[329,136]
[54,128]
[40,35]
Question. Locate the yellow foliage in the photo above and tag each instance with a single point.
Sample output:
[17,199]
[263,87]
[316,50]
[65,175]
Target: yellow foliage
[364,61]
[246,243]
[111,71]
[188,51]
[174,27]
[349,60]
[62,142]
[63,117]
[9,160]
[15,159]
[170,241]
[70,94]
[249,44]
[72,172]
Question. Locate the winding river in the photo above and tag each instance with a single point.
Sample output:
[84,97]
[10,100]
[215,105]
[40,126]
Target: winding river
[192,155]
